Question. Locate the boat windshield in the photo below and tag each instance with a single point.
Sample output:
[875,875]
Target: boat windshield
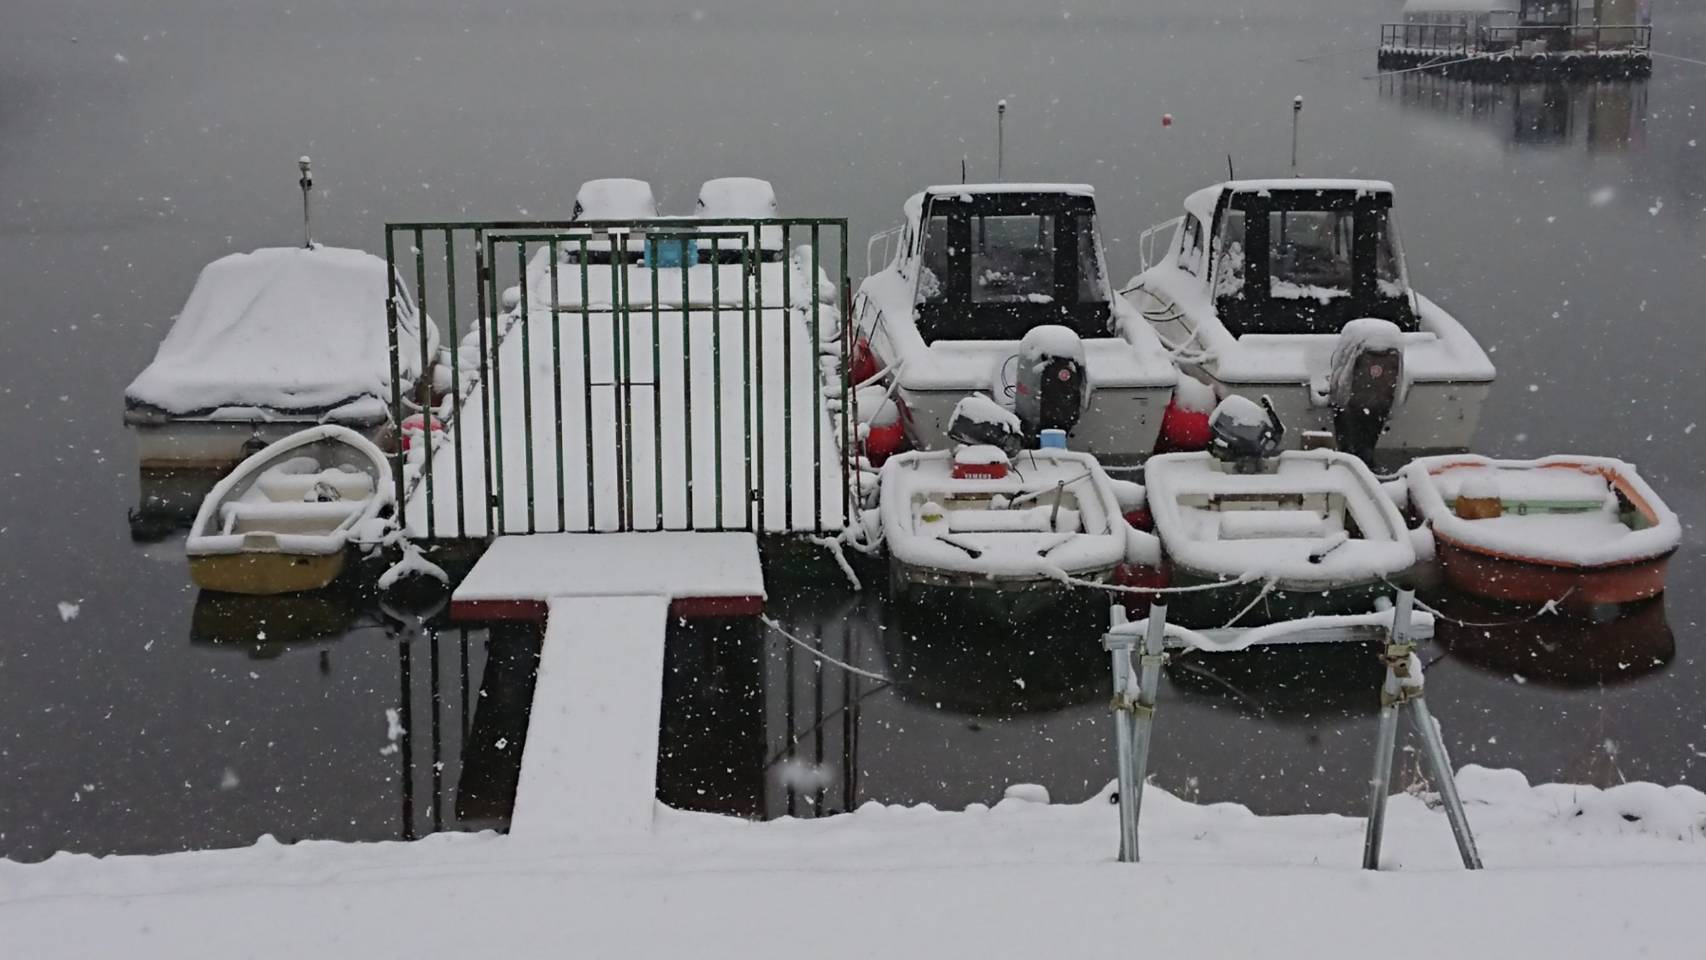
[1321,260]
[992,266]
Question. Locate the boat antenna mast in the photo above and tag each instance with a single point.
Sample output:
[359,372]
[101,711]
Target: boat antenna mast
[1296,113]
[307,183]
[1000,135]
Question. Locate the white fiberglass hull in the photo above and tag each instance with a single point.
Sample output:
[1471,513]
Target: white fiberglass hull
[1119,428]
[220,444]
[1435,417]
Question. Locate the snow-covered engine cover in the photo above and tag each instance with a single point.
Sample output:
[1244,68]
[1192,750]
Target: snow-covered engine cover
[1053,386]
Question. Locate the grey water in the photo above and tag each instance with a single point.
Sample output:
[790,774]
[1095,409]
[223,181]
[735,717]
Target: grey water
[1563,223]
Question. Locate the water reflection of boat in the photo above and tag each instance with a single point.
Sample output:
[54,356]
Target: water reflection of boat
[991,666]
[1284,683]
[1561,651]
[266,627]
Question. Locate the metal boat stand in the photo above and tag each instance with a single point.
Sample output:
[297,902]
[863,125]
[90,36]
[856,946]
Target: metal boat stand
[1403,687]
[1134,717]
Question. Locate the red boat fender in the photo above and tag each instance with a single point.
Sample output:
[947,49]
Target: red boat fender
[1182,429]
[1141,576]
[884,441]
[1141,519]
[411,428]
[864,361]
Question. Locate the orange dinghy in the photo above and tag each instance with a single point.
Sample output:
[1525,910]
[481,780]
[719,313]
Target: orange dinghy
[1581,531]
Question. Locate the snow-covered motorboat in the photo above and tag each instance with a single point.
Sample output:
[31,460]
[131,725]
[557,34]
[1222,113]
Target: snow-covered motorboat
[284,519]
[1295,533]
[1010,525]
[271,342]
[974,269]
[1577,530]
[1297,290]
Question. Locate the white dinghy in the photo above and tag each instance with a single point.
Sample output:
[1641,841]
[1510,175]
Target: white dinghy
[974,271]
[1294,534]
[1297,290]
[1000,525]
[283,520]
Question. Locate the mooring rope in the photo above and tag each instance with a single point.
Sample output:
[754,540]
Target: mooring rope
[1195,588]
[1549,607]
[1672,56]
[819,654]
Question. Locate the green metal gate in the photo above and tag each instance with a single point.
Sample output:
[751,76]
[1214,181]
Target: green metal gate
[625,375]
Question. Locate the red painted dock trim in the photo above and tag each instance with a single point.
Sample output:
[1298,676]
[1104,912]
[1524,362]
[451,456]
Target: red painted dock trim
[689,608]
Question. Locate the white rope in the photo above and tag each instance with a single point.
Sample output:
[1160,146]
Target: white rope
[1672,56]
[1196,588]
[1549,607]
[819,654]
[1430,65]
[1267,588]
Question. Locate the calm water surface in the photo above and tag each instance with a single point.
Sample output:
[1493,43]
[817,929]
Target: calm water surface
[1563,223]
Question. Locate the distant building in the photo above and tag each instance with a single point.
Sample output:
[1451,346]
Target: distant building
[1522,37]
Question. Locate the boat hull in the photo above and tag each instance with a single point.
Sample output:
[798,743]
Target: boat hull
[265,574]
[1435,417]
[1576,588]
[1015,598]
[203,444]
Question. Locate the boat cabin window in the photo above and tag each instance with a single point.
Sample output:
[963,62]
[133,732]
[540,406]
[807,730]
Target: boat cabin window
[1295,261]
[992,266]
[1191,247]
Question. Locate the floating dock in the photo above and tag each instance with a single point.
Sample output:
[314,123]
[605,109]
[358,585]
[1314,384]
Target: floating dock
[589,764]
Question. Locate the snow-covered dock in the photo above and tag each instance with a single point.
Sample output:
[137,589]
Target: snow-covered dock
[695,402]
[589,766]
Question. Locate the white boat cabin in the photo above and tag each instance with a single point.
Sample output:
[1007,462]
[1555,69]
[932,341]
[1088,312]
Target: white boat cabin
[1276,287]
[975,268]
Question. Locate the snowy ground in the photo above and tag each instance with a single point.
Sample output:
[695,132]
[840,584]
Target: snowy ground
[1570,875]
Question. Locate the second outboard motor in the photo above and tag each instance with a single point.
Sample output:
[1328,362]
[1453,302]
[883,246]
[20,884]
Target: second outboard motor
[1366,385]
[979,421]
[1244,433]
[1052,387]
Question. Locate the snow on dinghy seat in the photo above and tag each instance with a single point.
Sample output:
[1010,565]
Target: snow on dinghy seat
[1313,523]
[283,520]
[270,342]
[974,521]
[1573,529]
[739,198]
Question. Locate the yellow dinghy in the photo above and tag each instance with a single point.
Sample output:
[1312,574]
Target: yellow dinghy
[282,522]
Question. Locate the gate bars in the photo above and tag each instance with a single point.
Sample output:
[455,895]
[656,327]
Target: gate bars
[657,344]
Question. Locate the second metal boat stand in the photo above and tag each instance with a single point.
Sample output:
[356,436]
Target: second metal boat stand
[1134,717]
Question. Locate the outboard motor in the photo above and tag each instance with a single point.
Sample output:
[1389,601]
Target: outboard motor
[980,421]
[1243,433]
[1052,387]
[1366,385]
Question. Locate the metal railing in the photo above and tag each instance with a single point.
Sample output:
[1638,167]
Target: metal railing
[622,308]
[1462,39]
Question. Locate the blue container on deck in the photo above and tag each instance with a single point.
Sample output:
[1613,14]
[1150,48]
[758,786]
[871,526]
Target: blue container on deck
[671,252]
[1052,439]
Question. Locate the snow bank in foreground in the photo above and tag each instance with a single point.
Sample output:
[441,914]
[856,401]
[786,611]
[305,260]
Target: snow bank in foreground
[1570,874]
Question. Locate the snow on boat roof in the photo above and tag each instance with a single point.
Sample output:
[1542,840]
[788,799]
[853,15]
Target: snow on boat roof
[1201,204]
[914,205]
[282,329]
[1072,189]
[1459,6]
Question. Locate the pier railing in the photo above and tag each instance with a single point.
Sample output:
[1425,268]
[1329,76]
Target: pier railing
[1461,39]
[665,374]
